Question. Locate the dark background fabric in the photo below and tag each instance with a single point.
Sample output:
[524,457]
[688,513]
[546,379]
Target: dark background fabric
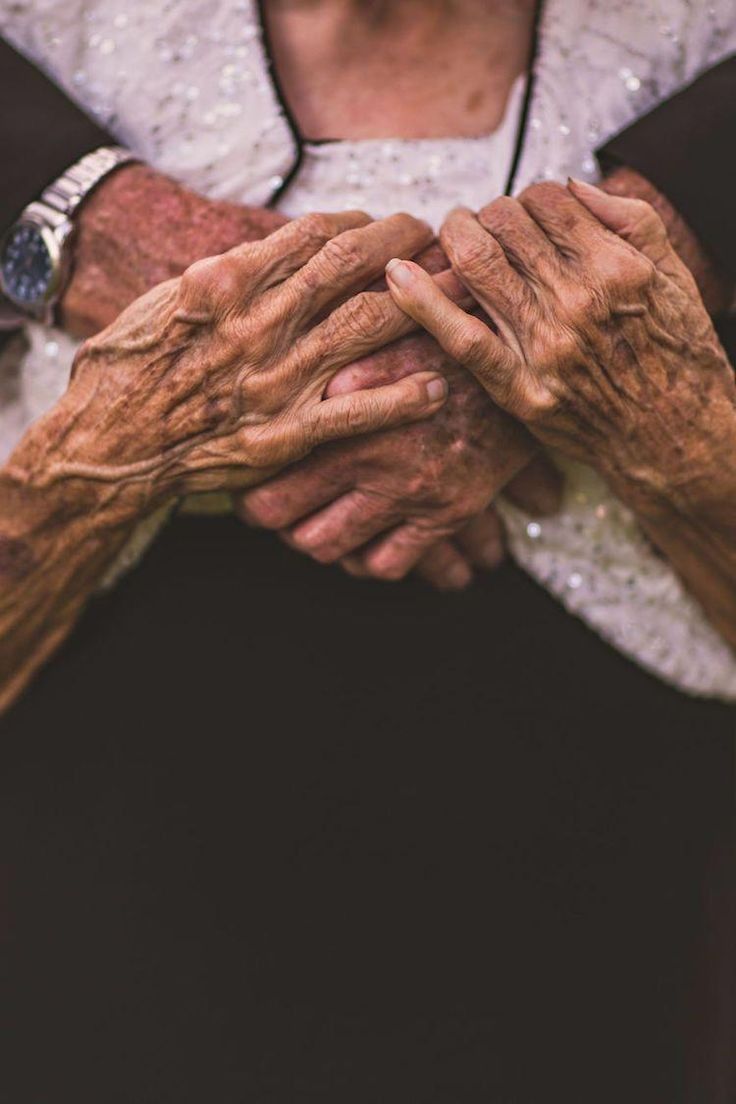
[687,148]
[42,133]
[269,834]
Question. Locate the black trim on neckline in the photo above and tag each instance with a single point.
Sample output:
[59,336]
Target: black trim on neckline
[291,122]
[299,140]
[529,92]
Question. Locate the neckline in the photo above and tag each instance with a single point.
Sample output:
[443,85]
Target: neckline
[512,109]
[301,143]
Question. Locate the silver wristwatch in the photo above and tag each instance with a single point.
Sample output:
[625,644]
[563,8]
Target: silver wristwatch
[35,253]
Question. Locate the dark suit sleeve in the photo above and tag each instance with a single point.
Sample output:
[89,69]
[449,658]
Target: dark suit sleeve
[42,133]
[686,147]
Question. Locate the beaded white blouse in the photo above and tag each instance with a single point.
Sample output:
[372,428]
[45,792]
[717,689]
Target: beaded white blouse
[186,84]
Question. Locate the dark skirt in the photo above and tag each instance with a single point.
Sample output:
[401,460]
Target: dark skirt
[268,834]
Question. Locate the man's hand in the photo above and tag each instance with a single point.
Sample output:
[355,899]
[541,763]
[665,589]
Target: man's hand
[139,228]
[403,493]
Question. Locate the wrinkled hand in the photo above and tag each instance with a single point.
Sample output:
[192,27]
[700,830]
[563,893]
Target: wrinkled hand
[402,492]
[214,380]
[604,348]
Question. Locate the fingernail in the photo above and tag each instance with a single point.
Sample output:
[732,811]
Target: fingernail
[398,272]
[437,389]
[457,577]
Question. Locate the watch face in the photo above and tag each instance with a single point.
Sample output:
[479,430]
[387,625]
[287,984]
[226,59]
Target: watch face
[27,268]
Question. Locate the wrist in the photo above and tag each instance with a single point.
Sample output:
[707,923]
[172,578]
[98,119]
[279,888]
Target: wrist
[140,228]
[697,483]
[60,469]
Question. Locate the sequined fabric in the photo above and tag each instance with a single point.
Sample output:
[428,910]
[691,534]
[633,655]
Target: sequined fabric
[186,84]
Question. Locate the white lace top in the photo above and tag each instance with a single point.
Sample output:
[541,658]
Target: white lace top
[186,84]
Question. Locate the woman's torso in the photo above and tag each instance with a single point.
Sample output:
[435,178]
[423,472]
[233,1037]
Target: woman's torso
[208,113]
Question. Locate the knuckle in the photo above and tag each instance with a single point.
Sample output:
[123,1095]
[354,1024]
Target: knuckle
[624,272]
[404,221]
[365,314]
[213,281]
[315,229]
[407,225]
[642,272]
[388,571]
[358,415]
[427,485]
[472,258]
[325,553]
[343,253]
[198,280]
[535,406]
[267,509]
[578,299]
[502,213]
[646,217]
[416,486]
[469,343]
[306,540]
[544,192]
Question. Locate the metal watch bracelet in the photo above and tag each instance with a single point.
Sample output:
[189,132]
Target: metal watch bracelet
[59,201]
[52,214]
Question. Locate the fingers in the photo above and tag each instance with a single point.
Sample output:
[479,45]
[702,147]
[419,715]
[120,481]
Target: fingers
[443,566]
[393,556]
[482,540]
[227,283]
[465,338]
[634,220]
[482,265]
[289,248]
[341,528]
[364,324]
[346,264]
[408,400]
[537,488]
[526,246]
[361,326]
[446,564]
[297,493]
[570,226]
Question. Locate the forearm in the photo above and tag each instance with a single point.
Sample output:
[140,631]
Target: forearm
[56,541]
[139,228]
[694,526]
[705,561]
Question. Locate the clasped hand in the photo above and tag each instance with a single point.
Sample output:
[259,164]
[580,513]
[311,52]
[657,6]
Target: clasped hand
[216,379]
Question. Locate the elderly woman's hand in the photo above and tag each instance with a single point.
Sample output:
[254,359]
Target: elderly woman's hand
[216,379]
[603,349]
[211,381]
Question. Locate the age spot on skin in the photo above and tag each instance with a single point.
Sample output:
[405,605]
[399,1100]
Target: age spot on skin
[474,100]
[16,558]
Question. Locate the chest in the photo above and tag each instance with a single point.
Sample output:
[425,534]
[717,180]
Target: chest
[416,71]
[188,84]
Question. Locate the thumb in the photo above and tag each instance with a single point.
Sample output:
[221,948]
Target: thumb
[634,220]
